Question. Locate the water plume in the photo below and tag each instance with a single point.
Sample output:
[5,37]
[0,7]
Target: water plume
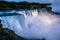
[35,25]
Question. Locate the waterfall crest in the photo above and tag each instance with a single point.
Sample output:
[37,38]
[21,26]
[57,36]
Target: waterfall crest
[32,24]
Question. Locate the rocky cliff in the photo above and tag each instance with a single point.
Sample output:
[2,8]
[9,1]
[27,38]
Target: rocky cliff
[6,34]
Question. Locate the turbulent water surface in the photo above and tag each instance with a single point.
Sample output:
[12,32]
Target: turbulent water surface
[32,24]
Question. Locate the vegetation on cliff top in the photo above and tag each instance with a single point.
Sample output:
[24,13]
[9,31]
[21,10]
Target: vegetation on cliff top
[20,5]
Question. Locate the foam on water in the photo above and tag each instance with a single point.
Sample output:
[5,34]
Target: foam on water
[35,25]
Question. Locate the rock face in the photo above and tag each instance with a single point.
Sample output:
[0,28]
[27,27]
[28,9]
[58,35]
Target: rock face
[6,34]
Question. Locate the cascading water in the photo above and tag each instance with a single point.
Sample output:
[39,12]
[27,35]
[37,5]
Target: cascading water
[32,24]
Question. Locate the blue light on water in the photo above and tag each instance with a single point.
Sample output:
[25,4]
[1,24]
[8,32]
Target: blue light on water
[33,25]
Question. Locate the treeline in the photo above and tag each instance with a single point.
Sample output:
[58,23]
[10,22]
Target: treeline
[21,5]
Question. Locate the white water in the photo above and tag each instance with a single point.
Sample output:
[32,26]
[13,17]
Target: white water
[56,6]
[34,25]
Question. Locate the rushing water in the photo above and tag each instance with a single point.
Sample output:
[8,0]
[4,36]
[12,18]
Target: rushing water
[33,24]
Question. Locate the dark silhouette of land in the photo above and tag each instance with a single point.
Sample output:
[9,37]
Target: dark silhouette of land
[21,5]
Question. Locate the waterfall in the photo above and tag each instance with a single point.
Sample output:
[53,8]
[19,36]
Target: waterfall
[33,24]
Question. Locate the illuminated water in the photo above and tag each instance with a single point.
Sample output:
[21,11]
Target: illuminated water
[32,24]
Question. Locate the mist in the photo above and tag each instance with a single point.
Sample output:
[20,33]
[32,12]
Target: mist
[37,25]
